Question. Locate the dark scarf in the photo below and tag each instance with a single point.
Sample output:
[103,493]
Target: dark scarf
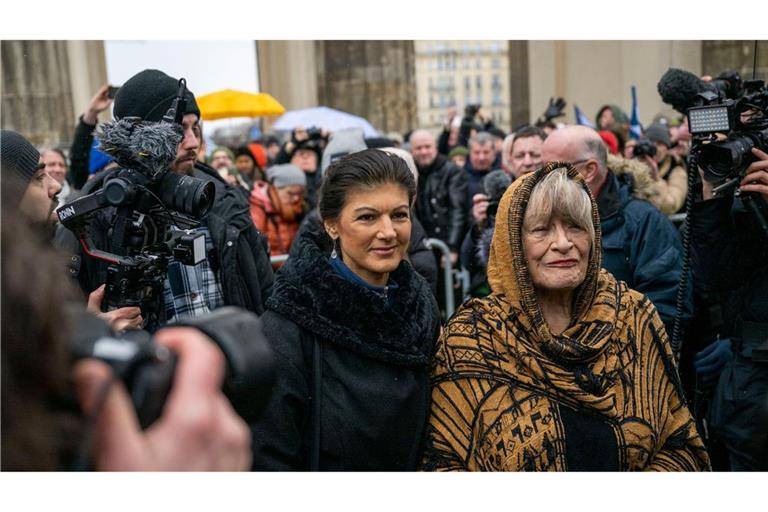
[309,292]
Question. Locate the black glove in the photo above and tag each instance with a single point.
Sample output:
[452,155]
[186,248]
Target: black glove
[554,109]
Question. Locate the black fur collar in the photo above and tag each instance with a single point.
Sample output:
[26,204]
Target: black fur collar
[308,292]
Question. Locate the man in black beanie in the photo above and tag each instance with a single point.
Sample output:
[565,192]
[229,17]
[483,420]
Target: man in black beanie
[237,271]
[25,181]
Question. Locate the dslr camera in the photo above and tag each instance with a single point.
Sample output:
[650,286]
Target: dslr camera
[644,147]
[147,369]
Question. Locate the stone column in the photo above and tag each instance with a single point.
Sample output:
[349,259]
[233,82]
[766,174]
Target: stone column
[371,79]
[37,91]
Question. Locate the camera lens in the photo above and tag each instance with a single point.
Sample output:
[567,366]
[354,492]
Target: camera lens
[720,159]
[186,194]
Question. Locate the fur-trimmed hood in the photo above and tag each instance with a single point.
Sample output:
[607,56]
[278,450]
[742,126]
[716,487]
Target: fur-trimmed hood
[642,184]
[311,294]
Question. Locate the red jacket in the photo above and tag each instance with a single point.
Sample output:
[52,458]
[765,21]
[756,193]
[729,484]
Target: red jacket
[278,224]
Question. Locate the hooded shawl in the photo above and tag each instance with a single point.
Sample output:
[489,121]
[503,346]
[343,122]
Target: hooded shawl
[508,394]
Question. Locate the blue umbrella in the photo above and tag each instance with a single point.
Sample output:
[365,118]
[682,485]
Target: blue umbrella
[323,117]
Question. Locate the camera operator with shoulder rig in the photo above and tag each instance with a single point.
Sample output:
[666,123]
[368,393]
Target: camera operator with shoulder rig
[728,227]
[142,203]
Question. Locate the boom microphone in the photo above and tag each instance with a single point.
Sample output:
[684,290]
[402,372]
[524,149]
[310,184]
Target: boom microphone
[680,88]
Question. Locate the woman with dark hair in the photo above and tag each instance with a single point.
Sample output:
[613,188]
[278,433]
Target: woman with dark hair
[561,367]
[247,166]
[352,329]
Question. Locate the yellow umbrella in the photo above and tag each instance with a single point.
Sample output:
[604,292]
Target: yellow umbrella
[229,103]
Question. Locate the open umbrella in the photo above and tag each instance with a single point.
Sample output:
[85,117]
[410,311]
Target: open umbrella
[231,103]
[323,117]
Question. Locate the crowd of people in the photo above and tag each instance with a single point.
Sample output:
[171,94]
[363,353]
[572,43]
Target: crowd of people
[558,357]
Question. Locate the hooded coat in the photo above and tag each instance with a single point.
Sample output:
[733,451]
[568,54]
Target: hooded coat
[369,357]
[509,394]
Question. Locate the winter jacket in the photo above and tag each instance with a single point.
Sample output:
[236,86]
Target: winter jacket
[730,265]
[369,360]
[440,201]
[672,185]
[240,259]
[267,214]
[79,154]
[475,181]
[640,244]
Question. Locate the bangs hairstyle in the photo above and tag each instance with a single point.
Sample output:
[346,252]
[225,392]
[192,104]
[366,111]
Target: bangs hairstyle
[559,195]
[364,169]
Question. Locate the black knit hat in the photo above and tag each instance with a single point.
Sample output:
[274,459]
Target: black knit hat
[18,155]
[148,95]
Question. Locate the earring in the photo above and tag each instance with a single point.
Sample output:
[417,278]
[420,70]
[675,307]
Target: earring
[333,252]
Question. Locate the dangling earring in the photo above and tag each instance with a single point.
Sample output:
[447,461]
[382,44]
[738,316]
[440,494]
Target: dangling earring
[333,252]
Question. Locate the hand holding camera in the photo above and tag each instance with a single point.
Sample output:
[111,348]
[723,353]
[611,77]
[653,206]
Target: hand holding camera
[198,431]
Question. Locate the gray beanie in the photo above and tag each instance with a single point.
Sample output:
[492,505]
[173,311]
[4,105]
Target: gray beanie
[342,143]
[658,132]
[284,175]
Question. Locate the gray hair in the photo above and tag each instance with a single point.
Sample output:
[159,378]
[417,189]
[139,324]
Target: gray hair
[482,138]
[595,148]
[559,195]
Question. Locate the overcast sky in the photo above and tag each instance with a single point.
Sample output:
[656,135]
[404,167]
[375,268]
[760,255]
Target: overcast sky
[208,66]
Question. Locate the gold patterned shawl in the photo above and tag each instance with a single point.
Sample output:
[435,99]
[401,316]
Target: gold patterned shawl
[508,394]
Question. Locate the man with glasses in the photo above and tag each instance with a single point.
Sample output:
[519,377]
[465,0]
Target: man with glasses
[640,244]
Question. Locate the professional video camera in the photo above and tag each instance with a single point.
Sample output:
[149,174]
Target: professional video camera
[147,369]
[154,211]
[723,106]
[644,147]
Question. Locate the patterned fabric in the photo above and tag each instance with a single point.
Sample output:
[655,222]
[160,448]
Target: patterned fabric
[604,394]
[192,290]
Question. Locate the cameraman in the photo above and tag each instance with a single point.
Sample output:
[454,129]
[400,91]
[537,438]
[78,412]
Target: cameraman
[42,427]
[667,170]
[236,270]
[730,264]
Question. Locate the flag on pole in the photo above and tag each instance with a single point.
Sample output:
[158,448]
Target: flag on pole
[635,128]
[581,118]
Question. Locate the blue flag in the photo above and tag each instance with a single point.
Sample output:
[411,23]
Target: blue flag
[581,118]
[635,128]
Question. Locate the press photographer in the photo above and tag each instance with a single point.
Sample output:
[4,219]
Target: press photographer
[729,246]
[173,384]
[136,209]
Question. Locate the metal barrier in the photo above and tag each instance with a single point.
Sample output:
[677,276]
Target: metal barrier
[278,259]
[435,243]
[677,218]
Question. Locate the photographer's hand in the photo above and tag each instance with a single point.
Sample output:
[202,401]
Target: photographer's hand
[756,177]
[479,208]
[198,431]
[652,165]
[119,319]
[97,105]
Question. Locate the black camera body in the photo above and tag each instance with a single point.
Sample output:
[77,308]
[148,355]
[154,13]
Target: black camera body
[147,369]
[644,147]
[744,120]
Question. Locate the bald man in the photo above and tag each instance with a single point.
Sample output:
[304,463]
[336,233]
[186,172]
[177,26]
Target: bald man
[640,244]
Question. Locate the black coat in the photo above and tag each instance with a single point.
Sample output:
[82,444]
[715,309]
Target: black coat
[440,202]
[374,370]
[241,256]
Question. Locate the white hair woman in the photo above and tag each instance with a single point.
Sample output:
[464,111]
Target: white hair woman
[561,367]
